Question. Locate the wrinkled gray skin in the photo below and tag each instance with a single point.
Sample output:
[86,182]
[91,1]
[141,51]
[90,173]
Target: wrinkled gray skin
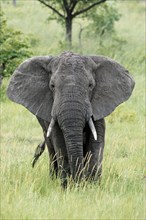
[71,89]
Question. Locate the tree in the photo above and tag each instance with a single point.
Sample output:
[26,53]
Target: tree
[102,23]
[67,10]
[14,48]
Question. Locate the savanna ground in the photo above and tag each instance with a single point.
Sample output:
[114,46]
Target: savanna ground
[30,194]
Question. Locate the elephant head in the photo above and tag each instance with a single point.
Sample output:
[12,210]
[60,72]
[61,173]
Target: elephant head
[71,90]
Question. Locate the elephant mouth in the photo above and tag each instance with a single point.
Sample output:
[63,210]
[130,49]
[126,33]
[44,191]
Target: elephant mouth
[90,123]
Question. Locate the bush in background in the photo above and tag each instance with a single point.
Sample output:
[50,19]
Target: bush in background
[102,21]
[14,48]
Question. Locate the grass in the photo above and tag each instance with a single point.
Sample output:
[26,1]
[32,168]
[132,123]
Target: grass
[30,194]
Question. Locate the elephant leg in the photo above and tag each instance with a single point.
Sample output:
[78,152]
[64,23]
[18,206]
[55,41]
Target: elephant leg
[58,141]
[53,163]
[93,151]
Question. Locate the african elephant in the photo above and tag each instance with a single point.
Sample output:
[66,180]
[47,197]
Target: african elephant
[70,95]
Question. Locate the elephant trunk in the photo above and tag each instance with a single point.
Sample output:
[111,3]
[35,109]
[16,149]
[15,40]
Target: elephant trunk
[72,121]
[74,144]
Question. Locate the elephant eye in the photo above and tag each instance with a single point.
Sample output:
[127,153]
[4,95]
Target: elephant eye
[52,86]
[90,85]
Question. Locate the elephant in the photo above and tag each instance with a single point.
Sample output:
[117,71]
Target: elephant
[70,95]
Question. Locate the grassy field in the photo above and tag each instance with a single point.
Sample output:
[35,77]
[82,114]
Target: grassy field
[30,194]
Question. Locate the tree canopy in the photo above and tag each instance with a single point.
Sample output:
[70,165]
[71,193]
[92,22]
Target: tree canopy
[67,10]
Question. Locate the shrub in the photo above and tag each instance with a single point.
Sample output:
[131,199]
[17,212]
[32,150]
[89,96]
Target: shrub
[14,48]
[102,21]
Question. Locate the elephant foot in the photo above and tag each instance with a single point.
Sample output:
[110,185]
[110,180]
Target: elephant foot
[94,175]
[53,173]
[64,184]
[38,152]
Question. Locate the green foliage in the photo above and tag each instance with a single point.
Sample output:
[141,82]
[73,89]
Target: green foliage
[14,48]
[30,194]
[101,29]
[102,20]
[122,114]
[97,25]
[3,97]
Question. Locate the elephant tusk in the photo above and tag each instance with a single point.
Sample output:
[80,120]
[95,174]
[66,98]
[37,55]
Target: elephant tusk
[92,127]
[51,125]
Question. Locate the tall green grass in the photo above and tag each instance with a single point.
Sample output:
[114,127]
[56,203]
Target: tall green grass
[30,194]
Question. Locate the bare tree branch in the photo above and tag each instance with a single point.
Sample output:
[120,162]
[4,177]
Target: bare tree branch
[66,6]
[88,8]
[53,9]
[73,5]
[63,9]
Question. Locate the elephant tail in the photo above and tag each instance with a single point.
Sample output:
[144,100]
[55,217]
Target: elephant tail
[38,152]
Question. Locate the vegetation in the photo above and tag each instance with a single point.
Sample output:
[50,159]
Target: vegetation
[28,193]
[69,10]
[14,48]
[102,21]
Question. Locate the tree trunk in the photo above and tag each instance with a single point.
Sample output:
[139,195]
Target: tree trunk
[68,22]
[80,38]
[14,2]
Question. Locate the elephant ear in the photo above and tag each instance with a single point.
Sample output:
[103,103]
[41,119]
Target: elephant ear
[29,86]
[113,86]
